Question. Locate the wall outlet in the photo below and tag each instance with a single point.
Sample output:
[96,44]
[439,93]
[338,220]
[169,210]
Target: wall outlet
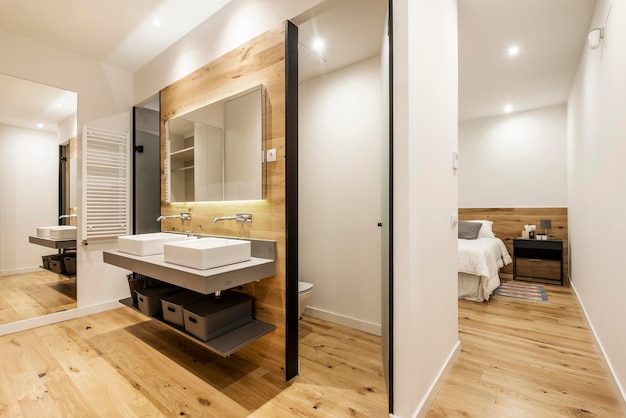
[271,155]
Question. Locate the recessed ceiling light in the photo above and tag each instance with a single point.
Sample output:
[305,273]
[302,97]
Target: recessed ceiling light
[155,21]
[508,108]
[40,125]
[513,50]
[318,44]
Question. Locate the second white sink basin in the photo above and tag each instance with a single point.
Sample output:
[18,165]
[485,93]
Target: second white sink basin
[207,253]
[147,244]
[63,232]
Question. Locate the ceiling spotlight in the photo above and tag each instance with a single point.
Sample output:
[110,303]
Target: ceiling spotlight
[318,44]
[513,50]
[595,37]
[40,125]
[508,108]
[155,21]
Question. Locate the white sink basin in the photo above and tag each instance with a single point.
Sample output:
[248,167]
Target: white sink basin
[63,232]
[147,244]
[44,231]
[207,253]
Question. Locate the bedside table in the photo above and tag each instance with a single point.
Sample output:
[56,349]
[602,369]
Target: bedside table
[538,260]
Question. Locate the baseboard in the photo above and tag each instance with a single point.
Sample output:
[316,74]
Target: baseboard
[427,403]
[30,323]
[19,271]
[346,321]
[618,389]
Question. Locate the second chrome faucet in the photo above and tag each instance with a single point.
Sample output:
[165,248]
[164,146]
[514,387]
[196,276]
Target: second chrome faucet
[239,217]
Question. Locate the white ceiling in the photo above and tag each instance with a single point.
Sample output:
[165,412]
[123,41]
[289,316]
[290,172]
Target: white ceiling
[115,32]
[27,104]
[551,35]
[352,31]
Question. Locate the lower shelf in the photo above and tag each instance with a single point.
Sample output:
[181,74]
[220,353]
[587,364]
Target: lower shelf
[224,345]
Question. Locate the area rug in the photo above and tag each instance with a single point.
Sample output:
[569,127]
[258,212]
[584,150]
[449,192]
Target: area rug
[524,291]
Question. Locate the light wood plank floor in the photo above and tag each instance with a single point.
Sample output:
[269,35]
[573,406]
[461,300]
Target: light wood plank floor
[30,295]
[526,359]
[120,364]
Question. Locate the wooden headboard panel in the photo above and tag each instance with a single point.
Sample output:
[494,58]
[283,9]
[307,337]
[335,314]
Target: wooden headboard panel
[508,223]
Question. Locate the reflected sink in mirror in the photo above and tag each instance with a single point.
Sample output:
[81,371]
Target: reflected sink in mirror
[148,244]
[63,232]
[207,253]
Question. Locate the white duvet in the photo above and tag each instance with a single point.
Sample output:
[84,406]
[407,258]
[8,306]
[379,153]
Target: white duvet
[482,256]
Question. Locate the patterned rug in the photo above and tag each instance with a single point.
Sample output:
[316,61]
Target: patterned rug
[524,291]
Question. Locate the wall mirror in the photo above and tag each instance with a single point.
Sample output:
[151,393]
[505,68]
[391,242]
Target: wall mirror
[215,152]
[38,169]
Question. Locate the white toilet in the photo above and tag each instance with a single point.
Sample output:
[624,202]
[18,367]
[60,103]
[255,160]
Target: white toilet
[304,294]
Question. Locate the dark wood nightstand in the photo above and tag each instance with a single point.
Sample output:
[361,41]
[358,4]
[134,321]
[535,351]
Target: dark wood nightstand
[538,260]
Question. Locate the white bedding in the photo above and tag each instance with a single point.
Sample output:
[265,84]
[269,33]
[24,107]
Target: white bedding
[482,258]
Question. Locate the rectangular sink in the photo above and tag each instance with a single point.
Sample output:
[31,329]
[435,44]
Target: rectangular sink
[148,244]
[207,253]
[63,232]
[44,231]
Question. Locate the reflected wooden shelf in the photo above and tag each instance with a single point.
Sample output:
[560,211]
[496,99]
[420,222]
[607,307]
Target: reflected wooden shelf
[185,154]
[53,243]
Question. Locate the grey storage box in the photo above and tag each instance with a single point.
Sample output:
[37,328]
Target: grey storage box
[212,317]
[45,261]
[173,305]
[56,263]
[69,262]
[149,300]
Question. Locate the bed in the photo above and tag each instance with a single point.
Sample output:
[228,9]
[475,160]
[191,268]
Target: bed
[481,255]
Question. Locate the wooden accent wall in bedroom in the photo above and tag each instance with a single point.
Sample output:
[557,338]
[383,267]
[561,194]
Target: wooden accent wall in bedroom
[508,223]
[259,61]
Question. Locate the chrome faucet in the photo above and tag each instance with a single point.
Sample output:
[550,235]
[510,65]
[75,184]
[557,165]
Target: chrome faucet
[240,218]
[184,216]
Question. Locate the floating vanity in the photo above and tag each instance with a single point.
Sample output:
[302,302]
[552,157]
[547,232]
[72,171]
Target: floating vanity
[58,237]
[56,243]
[260,265]
[63,239]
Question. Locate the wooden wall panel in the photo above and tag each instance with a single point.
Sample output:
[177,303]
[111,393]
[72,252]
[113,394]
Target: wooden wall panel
[259,61]
[508,223]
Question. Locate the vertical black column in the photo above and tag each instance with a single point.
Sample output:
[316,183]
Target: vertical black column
[390,363]
[63,189]
[291,197]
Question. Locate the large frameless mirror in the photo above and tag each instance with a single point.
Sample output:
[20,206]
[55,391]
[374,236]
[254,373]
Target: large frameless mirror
[215,152]
[38,167]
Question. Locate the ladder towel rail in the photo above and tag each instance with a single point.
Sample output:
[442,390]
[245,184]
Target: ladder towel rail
[106,195]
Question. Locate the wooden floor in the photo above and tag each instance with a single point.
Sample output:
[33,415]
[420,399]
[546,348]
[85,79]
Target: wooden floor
[526,359]
[120,364]
[518,359]
[29,295]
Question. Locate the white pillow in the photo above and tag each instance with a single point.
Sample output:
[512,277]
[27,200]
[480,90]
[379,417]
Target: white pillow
[485,230]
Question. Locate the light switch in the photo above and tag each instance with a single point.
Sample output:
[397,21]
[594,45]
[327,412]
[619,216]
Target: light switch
[454,220]
[271,155]
[455,160]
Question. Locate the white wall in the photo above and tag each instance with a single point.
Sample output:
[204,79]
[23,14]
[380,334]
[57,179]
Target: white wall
[517,160]
[597,175]
[29,169]
[425,196]
[339,188]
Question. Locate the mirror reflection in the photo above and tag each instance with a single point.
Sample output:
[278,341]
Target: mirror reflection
[38,168]
[215,152]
